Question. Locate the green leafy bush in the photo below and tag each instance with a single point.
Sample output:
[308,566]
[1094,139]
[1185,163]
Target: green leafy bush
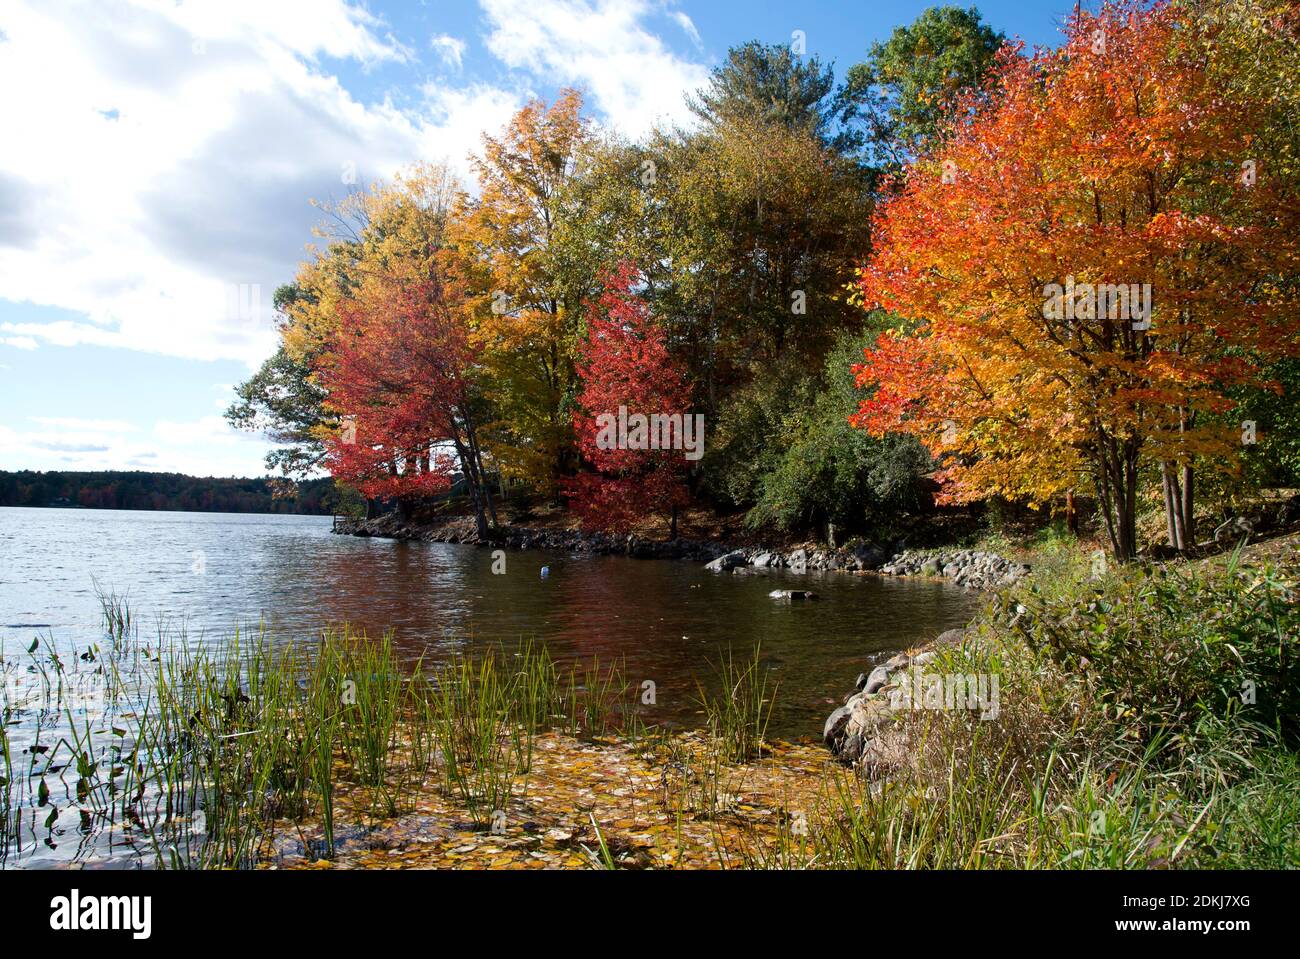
[1172,648]
[787,451]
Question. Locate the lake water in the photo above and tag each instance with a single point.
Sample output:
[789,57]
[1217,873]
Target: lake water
[663,620]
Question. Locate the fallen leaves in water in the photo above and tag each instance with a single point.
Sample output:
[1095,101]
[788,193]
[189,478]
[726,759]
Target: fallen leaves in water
[586,804]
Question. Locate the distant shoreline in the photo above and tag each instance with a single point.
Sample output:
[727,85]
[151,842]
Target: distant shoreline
[165,492]
[165,509]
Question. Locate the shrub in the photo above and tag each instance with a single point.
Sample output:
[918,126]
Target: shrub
[1170,648]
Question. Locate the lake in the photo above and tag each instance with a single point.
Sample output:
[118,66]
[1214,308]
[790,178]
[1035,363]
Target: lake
[664,620]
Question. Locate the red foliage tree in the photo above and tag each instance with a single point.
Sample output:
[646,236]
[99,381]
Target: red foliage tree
[397,373]
[626,372]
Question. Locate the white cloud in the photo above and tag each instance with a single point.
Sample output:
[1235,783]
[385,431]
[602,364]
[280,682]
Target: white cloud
[161,157]
[204,447]
[688,25]
[450,50]
[603,45]
[75,423]
[206,429]
[461,116]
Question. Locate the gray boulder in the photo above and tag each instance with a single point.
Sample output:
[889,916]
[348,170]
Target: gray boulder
[869,557]
[833,730]
[727,562]
[950,636]
[878,678]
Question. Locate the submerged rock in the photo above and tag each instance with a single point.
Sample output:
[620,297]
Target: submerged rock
[792,594]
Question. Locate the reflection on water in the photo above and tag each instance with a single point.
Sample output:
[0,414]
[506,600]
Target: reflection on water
[665,620]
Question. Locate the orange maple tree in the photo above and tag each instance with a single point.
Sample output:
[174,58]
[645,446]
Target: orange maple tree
[1091,263]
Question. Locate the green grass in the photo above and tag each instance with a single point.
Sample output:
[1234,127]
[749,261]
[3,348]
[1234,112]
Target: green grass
[738,714]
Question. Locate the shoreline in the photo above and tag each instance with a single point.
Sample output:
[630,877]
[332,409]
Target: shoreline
[972,569]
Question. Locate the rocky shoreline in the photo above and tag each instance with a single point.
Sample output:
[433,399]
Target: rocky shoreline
[460,529]
[862,732]
[971,569]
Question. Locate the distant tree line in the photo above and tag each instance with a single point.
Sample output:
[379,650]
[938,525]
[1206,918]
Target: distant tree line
[167,491]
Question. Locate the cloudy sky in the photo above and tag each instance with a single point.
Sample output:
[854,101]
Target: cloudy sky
[157,159]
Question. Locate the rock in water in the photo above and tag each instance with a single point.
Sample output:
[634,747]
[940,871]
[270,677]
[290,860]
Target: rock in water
[833,729]
[546,571]
[879,677]
[792,594]
[727,562]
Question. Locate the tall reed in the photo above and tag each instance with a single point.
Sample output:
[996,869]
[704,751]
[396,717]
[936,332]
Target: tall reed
[739,713]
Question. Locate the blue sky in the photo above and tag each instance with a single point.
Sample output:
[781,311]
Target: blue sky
[160,156]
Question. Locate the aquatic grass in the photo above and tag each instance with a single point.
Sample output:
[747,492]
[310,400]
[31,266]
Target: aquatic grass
[738,715]
[372,697]
[212,750]
[220,747]
[602,857]
[8,812]
[595,697]
[536,698]
[470,712]
[324,716]
[231,742]
[116,616]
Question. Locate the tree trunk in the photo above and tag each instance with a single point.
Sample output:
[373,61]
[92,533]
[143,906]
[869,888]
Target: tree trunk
[487,487]
[473,480]
[1180,505]
[471,463]
[1071,513]
[1116,478]
[1129,537]
[1171,525]
[1174,505]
